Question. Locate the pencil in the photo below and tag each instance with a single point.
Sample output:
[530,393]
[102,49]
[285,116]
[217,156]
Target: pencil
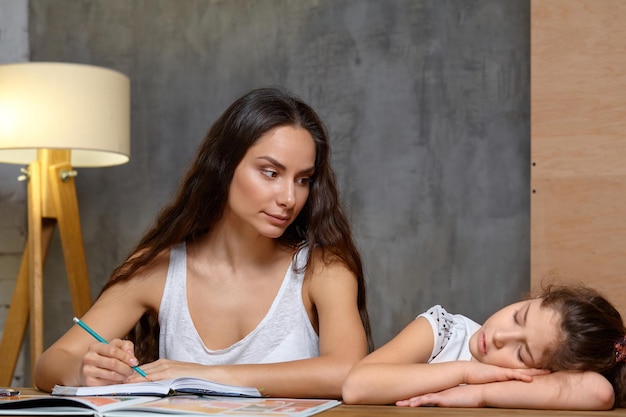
[102,340]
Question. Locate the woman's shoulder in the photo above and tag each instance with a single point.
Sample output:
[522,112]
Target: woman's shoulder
[325,263]
[147,283]
[155,268]
[328,276]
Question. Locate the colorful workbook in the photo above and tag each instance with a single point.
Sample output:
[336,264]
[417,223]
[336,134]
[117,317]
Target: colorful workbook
[185,385]
[188,405]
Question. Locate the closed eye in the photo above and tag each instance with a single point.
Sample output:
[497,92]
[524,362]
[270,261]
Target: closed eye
[519,350]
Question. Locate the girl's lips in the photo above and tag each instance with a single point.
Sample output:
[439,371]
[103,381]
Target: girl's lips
[482,343]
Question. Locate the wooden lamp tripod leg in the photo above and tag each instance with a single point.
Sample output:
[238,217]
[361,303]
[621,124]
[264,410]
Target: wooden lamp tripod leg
[64,195]
[27,300]
[36,261]
[15,326]
[20,309]
[17,317]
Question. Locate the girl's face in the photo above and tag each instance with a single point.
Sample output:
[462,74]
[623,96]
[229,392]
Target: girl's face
[271,183]
[517,336]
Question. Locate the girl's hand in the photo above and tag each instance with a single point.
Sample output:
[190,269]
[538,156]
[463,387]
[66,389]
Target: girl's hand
[106,364]
[477,375]
[469,396]
[480,373]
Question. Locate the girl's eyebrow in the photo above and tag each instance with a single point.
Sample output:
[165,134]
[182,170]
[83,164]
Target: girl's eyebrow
[526,312]
[282,167]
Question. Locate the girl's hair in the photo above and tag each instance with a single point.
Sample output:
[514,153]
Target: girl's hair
[203,194]
[591,327]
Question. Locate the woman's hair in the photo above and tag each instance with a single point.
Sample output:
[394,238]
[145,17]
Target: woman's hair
[591,332]
[203,193]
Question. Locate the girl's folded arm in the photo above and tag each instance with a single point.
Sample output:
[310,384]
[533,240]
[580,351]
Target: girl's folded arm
[566,390]
[398,369]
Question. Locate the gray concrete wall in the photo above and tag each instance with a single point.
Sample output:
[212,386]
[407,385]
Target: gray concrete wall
[426,101]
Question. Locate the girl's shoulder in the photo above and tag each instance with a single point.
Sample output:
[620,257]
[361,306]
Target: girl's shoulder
[451,334]
[436,311]
[441,318]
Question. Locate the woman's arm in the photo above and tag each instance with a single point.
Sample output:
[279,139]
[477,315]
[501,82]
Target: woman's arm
[78,359]
[556,391]
[332,290]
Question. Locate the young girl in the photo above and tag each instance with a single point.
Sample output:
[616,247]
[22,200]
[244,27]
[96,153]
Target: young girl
[448,360]
[248,277]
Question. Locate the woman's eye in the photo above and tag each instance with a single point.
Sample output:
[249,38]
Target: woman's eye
[515,317]
[519,356]
[269,173]
[303,181]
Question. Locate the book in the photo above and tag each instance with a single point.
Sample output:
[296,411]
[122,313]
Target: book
[188,405]
[184,385]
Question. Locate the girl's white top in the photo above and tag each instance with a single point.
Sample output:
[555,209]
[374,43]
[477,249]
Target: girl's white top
[452,334]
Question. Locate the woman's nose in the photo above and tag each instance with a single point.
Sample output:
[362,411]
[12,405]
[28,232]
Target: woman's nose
[286,195]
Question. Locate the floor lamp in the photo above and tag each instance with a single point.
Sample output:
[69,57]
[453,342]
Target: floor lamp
[55,117]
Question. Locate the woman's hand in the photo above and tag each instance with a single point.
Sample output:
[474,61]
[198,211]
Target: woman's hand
[105,364]
[168,369]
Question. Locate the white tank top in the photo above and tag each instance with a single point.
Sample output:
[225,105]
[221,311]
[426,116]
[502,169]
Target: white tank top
[284,334]
[452,334]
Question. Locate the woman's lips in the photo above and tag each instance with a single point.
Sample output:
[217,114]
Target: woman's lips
[277,219]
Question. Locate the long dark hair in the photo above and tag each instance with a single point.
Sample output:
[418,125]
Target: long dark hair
[203,194]
[590,326]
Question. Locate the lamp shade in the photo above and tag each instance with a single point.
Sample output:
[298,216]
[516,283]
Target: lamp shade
[64,106]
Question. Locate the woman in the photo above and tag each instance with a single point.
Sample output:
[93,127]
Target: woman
[250,276]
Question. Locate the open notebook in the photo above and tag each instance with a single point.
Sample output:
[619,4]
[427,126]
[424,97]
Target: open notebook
[185,385]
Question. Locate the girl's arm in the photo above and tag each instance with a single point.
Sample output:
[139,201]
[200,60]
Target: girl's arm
[385,374]
[398,370]
[77,359]
[333,291]
[556,391]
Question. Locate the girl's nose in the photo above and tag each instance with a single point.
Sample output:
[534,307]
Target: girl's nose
[501,338]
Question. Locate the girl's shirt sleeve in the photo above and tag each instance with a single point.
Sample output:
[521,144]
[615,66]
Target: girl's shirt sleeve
[452,333]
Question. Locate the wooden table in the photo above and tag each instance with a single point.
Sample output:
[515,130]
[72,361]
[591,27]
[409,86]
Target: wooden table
[392,411]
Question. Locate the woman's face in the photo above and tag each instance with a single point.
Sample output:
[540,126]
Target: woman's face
[517,336]
[271,183]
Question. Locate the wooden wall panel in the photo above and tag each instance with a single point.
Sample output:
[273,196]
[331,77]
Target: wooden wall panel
[578,144]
